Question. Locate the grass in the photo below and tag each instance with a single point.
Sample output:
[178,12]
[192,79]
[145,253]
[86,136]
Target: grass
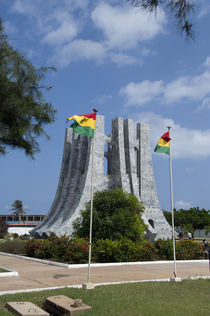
[158,298]
[3,270]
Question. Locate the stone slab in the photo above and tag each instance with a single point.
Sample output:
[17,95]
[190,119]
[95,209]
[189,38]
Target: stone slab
[88,286]
[26,309]
[61,304]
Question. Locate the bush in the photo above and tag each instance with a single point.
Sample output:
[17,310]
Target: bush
[38,248]
[164,249]
[15,246]
[66,249]
[185,249]
[123,250]
[148,252]
[116,214]
[3,228]
[62,249]
[75,250]
[188,250]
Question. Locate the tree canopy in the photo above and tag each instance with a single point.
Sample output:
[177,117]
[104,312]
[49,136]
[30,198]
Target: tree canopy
[193,218]
[23,110]
[18,209]
[116,214]
[180,10]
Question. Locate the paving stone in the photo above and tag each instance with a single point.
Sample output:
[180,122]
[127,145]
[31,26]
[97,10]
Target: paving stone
[26,309]
[61,305]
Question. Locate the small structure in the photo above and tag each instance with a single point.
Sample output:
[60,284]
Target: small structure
[121,160]
[28,222]
[26,309]
[60,305]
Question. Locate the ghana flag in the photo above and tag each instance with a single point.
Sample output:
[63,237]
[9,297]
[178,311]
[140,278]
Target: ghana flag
[84,124]
[163,145]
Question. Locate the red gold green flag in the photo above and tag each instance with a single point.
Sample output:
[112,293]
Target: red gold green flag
[163,145]
[84,124]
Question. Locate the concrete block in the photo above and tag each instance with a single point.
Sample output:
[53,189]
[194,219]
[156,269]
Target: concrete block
[88,286]
[61,305]
[175,279]
[26,309]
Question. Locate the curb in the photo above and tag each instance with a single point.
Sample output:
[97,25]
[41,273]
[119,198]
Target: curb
[96,265]
[79,286]
[8,273]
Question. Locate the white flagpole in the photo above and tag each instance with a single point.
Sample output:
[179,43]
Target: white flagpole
[91,204]
[172,208]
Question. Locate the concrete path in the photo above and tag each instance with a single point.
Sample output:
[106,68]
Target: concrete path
[36,275]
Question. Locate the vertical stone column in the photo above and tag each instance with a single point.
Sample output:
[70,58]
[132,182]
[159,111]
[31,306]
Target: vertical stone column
[147,187]
[130,159]
[73,190]
[158,227]
[119,177]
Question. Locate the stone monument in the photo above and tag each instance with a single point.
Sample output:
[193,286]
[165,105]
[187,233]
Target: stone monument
[129,166]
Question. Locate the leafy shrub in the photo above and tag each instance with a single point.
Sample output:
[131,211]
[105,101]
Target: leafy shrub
[66,249]
[188,250]
[62,249]
[15,246]
[164,249]
[116,214]
[75,250]
[185,249]
[123,250]
[3,228]
[38,248]
[148,252]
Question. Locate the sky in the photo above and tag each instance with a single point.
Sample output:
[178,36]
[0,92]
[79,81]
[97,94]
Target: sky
[125,63]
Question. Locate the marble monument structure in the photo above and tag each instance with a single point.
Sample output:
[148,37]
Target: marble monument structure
[126,153]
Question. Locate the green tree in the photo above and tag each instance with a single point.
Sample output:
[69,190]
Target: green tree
[180,10]
[23,111]
[116,214]
[18,209]
[3,228]
[191,219]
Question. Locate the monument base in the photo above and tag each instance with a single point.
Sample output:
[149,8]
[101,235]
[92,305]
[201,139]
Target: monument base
[175,279]
[88,286]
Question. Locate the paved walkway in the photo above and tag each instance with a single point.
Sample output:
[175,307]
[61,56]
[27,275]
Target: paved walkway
[36,275]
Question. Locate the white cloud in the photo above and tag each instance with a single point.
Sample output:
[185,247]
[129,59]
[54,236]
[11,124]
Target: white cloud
[69,23]
[182,204]
[65,32]
[189,88]
[9,27]
[124,26]
[192,88]
[123,59]
[142,92]
[207,62]
[204,8]
[80,49]
[205,104]
[102,99]
[24,7]
[185,143]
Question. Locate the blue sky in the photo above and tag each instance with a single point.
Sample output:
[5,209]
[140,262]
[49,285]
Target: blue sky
[112,56]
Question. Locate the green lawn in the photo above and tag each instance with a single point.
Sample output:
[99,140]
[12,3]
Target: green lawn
[2,270]
[158,298]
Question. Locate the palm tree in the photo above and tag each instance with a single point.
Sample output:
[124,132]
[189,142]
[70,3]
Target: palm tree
[18,209]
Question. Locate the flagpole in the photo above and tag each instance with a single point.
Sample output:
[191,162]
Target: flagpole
[172,208]
[91,205]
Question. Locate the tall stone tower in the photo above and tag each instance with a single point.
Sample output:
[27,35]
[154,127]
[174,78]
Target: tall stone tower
[129,166]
